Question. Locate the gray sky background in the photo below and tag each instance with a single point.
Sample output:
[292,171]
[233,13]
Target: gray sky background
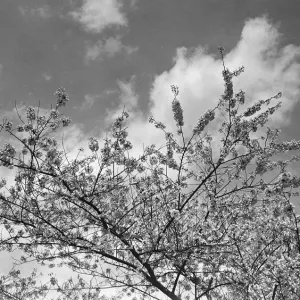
[108,53]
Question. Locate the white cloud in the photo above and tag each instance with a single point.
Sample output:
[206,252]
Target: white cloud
[133,3]
[128,98]
[88,102]
[1,72]
[109,47]
[96,15]
[269,68]
[41,11]
[47,76]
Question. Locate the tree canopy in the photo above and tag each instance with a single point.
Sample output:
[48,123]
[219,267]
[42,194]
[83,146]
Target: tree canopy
[223,227]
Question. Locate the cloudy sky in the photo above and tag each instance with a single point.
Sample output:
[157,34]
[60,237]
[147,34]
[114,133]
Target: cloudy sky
[111,53]
[108,53]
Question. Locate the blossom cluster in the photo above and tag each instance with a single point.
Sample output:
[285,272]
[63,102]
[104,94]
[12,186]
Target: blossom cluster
[286,146]
[41,120]
[178,113]
[240,97]
[7,154]
[54,114]
[47,142]
[8,126]
[61,96]
[65,121]
[130,164]
[30,113]
[228,85]
[93,144]
[207,117]
[8,150]
[153,160]
[253,109]
[175,90]
[20,128]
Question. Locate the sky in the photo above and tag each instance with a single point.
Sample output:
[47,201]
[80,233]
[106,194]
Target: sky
[111,53]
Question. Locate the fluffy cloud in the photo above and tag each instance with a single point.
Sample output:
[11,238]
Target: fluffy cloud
[41,12]
[1,72]
[109,47]
[128,98]
[47,76]
[88,102]
[96,15]
[269,68]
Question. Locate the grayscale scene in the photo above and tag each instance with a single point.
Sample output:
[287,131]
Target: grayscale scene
[149,149]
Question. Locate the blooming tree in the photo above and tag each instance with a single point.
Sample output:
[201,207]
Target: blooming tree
[123,221]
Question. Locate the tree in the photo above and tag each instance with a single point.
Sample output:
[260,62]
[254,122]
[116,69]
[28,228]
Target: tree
[233,234]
